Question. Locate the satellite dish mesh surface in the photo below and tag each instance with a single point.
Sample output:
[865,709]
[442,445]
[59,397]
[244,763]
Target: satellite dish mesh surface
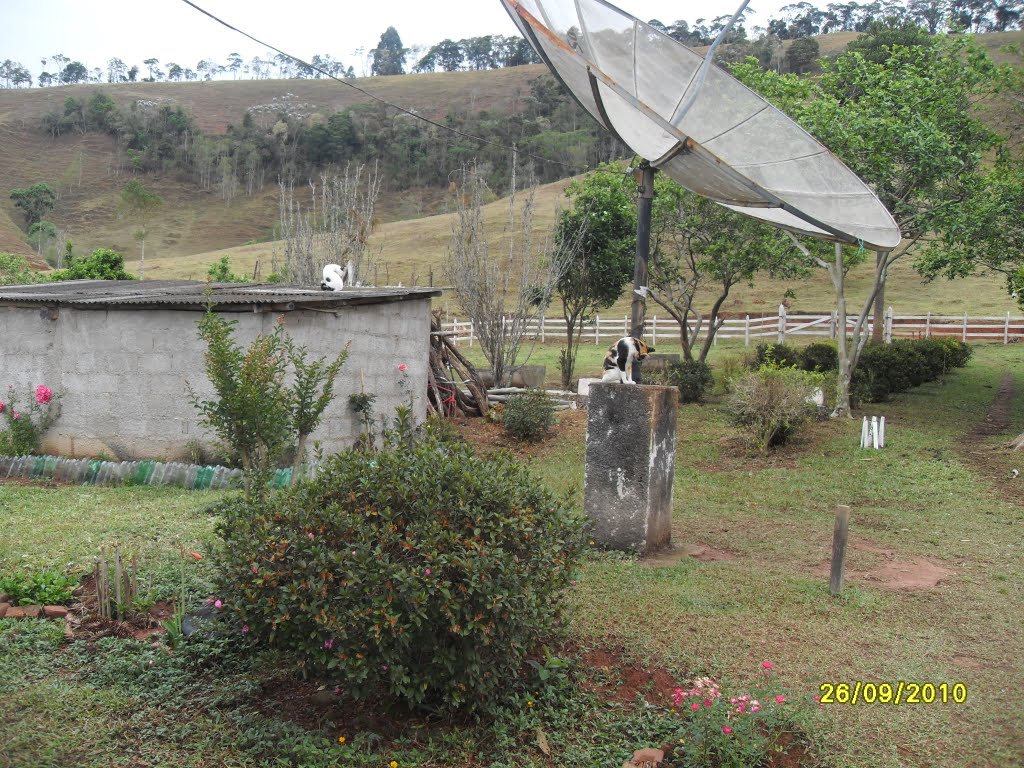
[710,133]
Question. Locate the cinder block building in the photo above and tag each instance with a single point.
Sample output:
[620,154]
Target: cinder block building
[121,354]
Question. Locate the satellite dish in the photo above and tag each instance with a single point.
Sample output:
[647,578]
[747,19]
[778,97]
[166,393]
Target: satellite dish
[704,128]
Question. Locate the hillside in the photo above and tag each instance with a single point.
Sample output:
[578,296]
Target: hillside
[89,175]
[194,226]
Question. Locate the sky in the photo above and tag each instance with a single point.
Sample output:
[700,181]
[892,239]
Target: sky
[93,31]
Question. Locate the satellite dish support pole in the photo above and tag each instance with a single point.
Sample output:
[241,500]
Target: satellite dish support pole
[643,249]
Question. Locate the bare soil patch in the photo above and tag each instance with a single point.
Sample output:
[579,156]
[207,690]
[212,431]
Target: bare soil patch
[490,437]
[870,563]
[996,462]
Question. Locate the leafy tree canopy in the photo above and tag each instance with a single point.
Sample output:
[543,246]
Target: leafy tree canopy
[389,55]
[35,201]
[103,264]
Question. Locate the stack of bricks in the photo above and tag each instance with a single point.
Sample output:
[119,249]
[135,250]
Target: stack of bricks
[9,611]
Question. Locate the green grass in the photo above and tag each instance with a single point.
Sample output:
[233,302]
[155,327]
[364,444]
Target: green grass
[123,703]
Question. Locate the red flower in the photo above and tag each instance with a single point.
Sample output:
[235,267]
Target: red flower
[196,555]
[403,367]
[766,665]
[726,730]
[43,394]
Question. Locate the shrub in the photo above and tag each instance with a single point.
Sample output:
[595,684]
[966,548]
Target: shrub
[772,403]
[779,355]
[44,587]
[420,570]
[693,377]
[25,428]
[819,357]
[102,264]
[529,416]
[888,369]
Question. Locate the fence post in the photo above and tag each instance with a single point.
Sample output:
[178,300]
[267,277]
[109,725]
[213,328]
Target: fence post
[625,325]
[471,332]
[654,330]
[965,328]
[746,331]
[887,326]
[1006,330]
[597,329]
[832,324]
[542,329]
[928,326]
[782,323]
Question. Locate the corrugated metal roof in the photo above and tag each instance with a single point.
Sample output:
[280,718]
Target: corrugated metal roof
[140,294]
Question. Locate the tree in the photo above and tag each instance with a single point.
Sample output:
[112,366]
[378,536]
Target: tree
[801,54]
[906,126]
[389,55]
[75,72]
[102,264]
[35,201]
[604,211]
[140,203]
[15,270]
[502,289]
[700,251]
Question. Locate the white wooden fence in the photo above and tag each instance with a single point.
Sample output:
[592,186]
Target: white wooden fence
[777,327]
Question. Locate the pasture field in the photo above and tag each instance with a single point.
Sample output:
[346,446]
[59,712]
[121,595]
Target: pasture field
[933,595]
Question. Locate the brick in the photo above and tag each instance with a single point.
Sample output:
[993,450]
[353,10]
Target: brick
[15,613]
[55,611]
[4,608]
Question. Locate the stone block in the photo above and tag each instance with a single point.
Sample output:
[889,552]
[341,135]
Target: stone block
[648,757]
[583,386]
[630,465]
[4,608]
[55,611]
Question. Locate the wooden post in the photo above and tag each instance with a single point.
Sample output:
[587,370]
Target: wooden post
[542,329]
[597,329]
[782,323]
[833,325]
[928,326]
[746,331]
[887,330]
[965,328]
[839,536]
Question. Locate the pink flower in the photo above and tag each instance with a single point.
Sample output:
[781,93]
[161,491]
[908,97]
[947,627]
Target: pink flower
[196,555]
[218,604]
[43,394]
[2,406]
[766,665]
[427,571]
[695,706]
[329,643]
[726,730]
[311,536]
[255,569]
[403,367]
[755,707]
[741,709]
[15,415]
[707,703]
[245,628]
[780,698]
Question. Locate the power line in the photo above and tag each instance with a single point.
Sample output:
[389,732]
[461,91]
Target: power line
[385,102]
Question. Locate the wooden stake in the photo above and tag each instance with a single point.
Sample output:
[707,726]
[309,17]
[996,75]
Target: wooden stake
[839,535]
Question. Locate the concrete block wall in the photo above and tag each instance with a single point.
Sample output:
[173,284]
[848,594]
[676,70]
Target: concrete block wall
[124,373]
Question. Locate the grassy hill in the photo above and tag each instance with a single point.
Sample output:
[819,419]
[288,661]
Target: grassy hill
[195,227]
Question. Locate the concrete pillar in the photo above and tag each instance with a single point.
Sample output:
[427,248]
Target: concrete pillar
[630,467]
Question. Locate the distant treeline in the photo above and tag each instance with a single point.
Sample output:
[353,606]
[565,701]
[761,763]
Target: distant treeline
[282,142]
[390,57]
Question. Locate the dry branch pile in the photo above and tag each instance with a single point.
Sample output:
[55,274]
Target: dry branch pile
[454,387]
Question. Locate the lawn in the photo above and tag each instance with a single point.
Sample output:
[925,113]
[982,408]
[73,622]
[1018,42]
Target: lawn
[933,595]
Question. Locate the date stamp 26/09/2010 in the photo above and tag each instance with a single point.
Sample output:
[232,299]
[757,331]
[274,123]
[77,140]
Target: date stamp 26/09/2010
[895,693]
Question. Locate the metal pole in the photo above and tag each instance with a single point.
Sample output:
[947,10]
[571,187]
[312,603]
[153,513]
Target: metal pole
[643,249]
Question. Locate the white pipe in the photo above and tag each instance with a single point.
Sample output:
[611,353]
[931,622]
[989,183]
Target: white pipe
[881,432]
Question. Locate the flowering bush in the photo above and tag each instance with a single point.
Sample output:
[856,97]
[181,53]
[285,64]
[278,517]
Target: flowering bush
[420,570]
[729,731]
[26,427]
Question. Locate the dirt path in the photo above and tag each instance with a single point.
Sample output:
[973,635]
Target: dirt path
[996,462]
